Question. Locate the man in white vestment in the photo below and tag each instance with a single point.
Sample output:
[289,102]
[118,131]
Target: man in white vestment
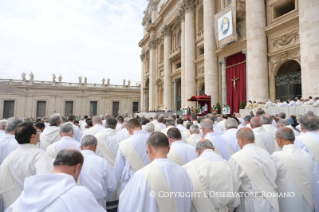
[180,152]
[267,120]
[3,123]
[186,134]
[257,175]
[180,126]
[160,125]
[96,173]
[119,125]
[195,135]
[26,161]
[83,123]
[76,130]
[211,167]
[247,121]
[51,134]
[220,145]
[97,127]
[194,119]
[230,135]
[170,123]
[131,155]
[242,121]
[294,173]
[57,191]
[8,143]
[309,142]
[123,134]
[67,141]
[316,104]
[310,101]
[149,129]
[285,123]
[142,193]
[263,139]
[155,120]
[269,104]
[291,103]
[221,123]
[218,129]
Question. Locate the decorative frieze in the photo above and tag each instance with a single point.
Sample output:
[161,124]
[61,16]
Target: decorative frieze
[166,30]
[285,40]
[152,44]
[188,5]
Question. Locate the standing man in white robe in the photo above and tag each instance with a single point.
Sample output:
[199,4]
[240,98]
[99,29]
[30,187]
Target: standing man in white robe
[3,123]
[76,130]
[119,125]
[267,121]
[160,125]
[96,173]
[67,141]
[123,134]
[180,126]
[257,174]
[263,139]
[294,173]
[97,127]
[220,145]
[57,191]
[211,167]
[309,142]
[51,134]
[8,143]
[131,155]
[170,123]
[142,193]
[26,161]
[230,135]
[180,153]
[195,135]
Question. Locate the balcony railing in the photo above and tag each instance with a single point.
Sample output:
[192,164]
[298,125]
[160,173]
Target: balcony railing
[175,54]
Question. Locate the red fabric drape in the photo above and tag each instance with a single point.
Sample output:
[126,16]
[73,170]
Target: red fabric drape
[239,70]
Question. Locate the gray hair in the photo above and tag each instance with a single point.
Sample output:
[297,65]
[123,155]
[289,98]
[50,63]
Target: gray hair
[68,157]
[111,123]
[309,122]
[286,134]
[255,122]
[283,122]
[204,143]
[13,123]
[149,127]
[170,122]
[125,121]
[55,119]
[231,123]
[102,117]
[66,128]
[282,115]
[88,140]
[158,139]
[194,128]
[247,118]
[266,118]
[247,134]
[3,122]
[96,120]
[208,124]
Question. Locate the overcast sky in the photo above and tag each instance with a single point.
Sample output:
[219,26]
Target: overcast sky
[92,38]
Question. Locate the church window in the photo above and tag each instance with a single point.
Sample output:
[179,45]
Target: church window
[68,108]
[41,108]
[93,108]
[284,8]
[8,109]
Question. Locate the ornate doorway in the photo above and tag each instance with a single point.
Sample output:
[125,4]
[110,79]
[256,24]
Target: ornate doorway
[288,81]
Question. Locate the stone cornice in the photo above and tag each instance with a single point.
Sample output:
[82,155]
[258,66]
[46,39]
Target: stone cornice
[166,30]
[144,40]
[281,22]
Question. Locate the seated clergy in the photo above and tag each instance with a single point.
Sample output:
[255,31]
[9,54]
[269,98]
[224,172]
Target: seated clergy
[76,130]
[142,192]
[180,126]
[186,134]
[131,155]
[123,133]
[160,125]
[195,135]
[57,191]
[180,153]
[51,134]
[170,123]
[97,127]
[67,141]
[294,173]
[263,139]
[149,129]
[257,174]
[230,135]
[26,161]
[285,123]
[211,167]
[96,173]
[267,121]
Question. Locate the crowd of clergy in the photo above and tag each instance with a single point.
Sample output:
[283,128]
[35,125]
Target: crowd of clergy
[283,103]
[258,163]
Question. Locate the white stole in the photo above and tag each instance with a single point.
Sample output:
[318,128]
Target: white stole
[157,182]
[175,157]
[256,176]
[216,150]
[260,143]
[44,142]
[92,131]
[312,145]
[131,155]
[298,176]
[51,151]
[105,149]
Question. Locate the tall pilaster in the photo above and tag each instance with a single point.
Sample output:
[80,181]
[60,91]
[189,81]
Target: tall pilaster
[224,87]
[309,47]
[142,104]
[190,72]
[244,51]
[210,58]
[181,17]
[257,50]
[152,77]
[175,95]
[167,32]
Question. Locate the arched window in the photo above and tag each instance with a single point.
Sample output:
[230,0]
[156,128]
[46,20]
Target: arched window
[180,38]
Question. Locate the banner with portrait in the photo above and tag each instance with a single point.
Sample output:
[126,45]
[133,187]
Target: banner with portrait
[225,27]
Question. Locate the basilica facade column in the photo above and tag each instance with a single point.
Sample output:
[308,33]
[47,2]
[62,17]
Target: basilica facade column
[257,50]
[152,76]
[210,58]
[224,86]
[167,32]
[181,17]
[190,72]
[309,46]
[175,95]
[142,104]
[244,51]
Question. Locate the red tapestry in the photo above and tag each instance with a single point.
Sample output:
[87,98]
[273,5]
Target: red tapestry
[236,71]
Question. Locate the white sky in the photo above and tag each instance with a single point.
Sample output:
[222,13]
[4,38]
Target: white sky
[92,38]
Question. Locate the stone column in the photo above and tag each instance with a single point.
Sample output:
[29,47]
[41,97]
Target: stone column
[224,84]
[257,50]
[175,95]
[181,17]
[142,82]
[244,51]
[309,46]
[210,58]
[152,76]
[167,32]
[190,72]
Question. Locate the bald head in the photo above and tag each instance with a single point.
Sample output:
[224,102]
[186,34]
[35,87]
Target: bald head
[97,120]
[245,136]
[203,144]
[255,122]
